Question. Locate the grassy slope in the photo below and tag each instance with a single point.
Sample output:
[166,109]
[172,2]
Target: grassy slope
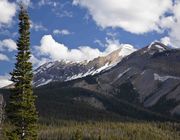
[110,131]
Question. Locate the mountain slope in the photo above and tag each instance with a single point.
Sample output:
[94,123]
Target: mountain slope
[144,85]
[153,72]
[65,71]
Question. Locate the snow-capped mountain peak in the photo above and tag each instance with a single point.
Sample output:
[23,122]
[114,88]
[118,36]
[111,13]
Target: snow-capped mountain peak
[157,45]
[65,71]
[126,50]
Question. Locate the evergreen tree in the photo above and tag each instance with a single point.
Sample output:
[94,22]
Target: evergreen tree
[21,110]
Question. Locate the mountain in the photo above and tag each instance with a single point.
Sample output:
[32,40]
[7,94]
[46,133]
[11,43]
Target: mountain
[144,85]
[149,76]
[65,71]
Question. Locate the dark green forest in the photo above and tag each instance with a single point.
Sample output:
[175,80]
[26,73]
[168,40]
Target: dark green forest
[63,118]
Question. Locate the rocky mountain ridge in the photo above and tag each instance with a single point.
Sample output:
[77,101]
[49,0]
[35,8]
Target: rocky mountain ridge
[152,73]
[146,81]
[65,70]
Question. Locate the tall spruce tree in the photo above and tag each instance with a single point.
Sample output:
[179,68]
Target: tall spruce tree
[21,110]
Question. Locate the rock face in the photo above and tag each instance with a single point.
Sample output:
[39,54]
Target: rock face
[153,72]
[65,71]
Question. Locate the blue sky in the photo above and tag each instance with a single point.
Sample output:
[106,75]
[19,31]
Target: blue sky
[83,29]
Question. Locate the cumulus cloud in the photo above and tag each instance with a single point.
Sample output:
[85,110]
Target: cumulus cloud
[166,41]
[5,80]
[174,34]
[57,51]
[50,50]
[135,16]
[7,12]
[3,57]
[172,23]
[8,44]
[112,45]
[61,32]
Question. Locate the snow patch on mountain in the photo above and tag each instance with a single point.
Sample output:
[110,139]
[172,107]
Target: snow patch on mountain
[101,69]
[161,49]
[89,72]
[164,78]
[120,75]
[44,82]
[50,64]
[155,47]
[75,77]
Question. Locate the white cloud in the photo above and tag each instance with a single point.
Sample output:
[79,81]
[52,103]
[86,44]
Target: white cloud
[37,26]
[112,45]
[63,13]
[174,34]
[135,16]
[166,41]
[50,50]
[57,51]
[112,34]
[8,44]
[99,42]
[7,12]
[61,32]
[3,57]
[38,62]
[6,32]
[5,80]
[172,23]
[47,2]
[166,22]
[58,7]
